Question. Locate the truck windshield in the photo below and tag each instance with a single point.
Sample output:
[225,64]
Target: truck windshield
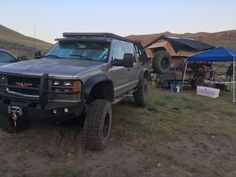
[81,50]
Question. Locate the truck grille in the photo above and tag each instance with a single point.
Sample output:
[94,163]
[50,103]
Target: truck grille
[24,85]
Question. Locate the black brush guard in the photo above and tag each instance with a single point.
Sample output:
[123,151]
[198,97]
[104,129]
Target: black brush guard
[29,105]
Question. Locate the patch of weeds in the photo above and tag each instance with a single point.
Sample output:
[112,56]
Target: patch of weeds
[227,113]
[173,116]
[194,105]
[21,157]
[156,159]
[4,171]
[163,125]
[219,128]
[152,109]
[68,172]
[169,126]
[23,175]
[132,127]
[176,109]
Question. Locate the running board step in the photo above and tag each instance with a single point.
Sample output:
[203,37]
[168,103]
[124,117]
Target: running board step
[116,100]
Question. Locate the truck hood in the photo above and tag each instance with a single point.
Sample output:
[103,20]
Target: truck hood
[53,67]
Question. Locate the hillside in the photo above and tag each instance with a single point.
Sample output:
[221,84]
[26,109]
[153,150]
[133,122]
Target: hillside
[224,38]
[19,44]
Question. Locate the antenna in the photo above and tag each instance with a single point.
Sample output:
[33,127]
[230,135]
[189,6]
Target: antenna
[34,39]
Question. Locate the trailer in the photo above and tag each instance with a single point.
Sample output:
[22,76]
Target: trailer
[168,57]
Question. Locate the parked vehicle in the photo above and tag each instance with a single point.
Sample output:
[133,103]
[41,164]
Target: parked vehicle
[81,73]
[168,55]
[6,57]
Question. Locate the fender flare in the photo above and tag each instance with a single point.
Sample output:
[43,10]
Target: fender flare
[91,82]
[143,74]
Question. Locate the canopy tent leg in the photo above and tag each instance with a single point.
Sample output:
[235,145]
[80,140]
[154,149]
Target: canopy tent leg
[185,68]
[234,80]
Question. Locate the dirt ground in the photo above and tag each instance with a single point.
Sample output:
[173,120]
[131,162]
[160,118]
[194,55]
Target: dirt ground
[177,135]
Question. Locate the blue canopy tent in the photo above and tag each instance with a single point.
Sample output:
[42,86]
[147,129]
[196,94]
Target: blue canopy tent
[218,54]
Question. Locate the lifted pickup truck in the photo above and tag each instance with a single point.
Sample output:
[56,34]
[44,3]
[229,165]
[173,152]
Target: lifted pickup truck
[81,73]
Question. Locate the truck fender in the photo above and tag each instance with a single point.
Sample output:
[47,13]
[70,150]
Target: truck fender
[143,74]
[91,82]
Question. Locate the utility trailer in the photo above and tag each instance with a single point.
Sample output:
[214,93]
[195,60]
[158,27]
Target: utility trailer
[168,57]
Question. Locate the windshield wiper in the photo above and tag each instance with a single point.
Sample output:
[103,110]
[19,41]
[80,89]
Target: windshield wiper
[81,56]
[52,56]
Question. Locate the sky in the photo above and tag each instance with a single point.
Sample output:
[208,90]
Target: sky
[123,17]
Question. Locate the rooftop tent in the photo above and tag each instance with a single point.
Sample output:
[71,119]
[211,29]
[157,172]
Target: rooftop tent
[219,54]
[183,43]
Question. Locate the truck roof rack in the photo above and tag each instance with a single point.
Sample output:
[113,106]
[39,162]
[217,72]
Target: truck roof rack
[89,35]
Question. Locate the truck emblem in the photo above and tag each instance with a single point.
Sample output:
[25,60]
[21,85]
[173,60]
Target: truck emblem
[21,84]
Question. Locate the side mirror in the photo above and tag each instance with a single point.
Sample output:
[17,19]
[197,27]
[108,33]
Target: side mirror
[128,61]
[37,54]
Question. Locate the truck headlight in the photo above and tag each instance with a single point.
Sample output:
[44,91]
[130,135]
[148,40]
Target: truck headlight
[3,80]
[68,83]
[57,83]
[67,87]
[62,83]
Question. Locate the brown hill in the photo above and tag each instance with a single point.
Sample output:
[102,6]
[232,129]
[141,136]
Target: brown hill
[19,44]
[224,38]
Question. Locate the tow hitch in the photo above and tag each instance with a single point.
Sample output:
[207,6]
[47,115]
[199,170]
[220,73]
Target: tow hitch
[14,112]
[14,118]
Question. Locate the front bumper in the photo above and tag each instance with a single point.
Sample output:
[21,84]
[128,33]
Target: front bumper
[31,110]
[45,106]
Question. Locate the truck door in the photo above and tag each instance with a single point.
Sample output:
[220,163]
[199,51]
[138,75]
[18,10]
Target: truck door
[134,71]
[120,75]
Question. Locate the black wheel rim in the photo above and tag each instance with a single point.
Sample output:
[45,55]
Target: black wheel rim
[106,126]
[165,63]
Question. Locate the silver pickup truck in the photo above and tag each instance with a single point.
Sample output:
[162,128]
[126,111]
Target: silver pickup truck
[81,73]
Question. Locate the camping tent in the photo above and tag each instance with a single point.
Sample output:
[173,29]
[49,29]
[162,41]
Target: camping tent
[219,54]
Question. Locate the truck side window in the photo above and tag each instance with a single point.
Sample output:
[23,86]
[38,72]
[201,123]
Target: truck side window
[118,51]
[137,53]
[129,47]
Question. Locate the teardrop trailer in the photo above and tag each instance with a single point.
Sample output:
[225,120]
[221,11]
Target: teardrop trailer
[168,57]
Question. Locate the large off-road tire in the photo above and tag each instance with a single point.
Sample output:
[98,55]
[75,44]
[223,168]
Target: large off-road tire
[161,62]
[141,94]
[97,125]
[7,124]
[199,81]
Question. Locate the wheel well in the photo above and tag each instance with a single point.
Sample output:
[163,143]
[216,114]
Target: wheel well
[142,76]
[146,75]
[102,90]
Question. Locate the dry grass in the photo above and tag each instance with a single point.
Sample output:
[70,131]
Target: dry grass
[19,44]
[178,135]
